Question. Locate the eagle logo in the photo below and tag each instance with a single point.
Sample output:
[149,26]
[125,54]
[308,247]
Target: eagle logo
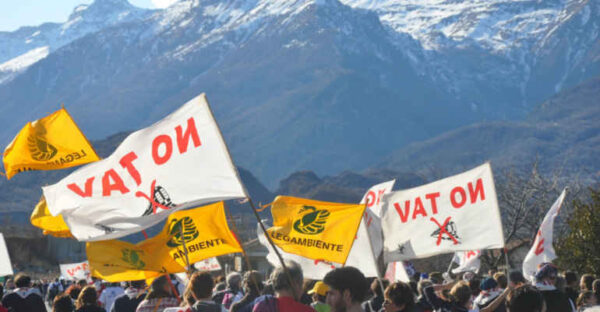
[39,148]
[312,222]
[182,230]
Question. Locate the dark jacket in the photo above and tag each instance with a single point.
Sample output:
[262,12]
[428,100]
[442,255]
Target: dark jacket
[556,301]
[245,304]
[24,300]
[90,308]
[373,305]
[423,305]
[439,304]
[127,302]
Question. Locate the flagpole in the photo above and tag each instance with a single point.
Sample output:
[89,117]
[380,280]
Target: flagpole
[371,247]
[450,266]
[185,251]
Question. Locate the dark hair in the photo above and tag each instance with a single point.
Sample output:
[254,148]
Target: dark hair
[474,285]
[501,279]
[73,291]
[461,293]
[157,288]
[22,280]
[137,284]
[588,280]
[400,294]
[349,278]
[201,285]
[570,277]
[376,289]
[517,277]
[62,303]
[596,288]
[87,296]
[436,277]
[525,298]
[82,283]
[281,280]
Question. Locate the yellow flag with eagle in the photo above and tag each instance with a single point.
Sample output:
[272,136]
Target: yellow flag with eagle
[52,142]
[315,229]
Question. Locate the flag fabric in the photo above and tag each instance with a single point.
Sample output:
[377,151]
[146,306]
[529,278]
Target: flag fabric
[468,261]
[52,142]
[5,265]
[55,226]
[396,272]
[76,271]
[453,214]
[542,249]
[374,196]
[314,229]
[210,264]
[117,261]
[203,230]
[179,162]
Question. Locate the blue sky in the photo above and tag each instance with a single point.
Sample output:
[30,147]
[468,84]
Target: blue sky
[17,13]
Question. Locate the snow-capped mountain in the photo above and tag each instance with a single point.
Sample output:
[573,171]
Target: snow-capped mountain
[313,84]
[27,45]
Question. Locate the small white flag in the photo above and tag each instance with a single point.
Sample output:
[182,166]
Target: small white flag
[396,272]
[5,266]
[542,249]
[76,271]
[468,261]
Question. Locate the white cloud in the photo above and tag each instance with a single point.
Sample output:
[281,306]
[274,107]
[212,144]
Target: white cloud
[163,3]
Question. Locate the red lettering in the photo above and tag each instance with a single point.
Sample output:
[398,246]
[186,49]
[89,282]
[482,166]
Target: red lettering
[118,184]
[403,216]
[88,188]
[127,163]
[470,254]
[370,199]
[478,190]
[419,208]
[432,198]
[540,247]
[162,139]
[184,139]
[379,193]
[70,272]
[463,197]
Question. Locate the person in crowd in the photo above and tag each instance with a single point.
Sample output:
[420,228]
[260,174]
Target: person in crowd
[200,286]
[287,286]
[586,282]
[422,304]
[399,298]
[307,285]
[459,298]
[596,289]
[347,289]
[109,294]
[233,292]
[131,298]
[586,300]
[375,303]
[88,300]
[490,290]
[525,298]
[73,291]
[545,281]
[54,289]
[474,284]
[516,279]
[159,297]
[24,298]
[9,286]
[219,284]
[436,277]
[571,285]
[188,298]
[253,286]
[2,308]
[63,303]
[319,296]
[501,279]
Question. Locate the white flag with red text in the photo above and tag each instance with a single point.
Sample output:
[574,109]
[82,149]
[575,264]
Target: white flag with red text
[468,261]
[457,213]
[76,271]
[179,162]
[210,264]
[542,249]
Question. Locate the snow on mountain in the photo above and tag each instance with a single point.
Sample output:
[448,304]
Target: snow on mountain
[27,45]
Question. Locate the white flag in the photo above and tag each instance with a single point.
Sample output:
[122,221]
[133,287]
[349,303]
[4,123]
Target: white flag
[5,266]
[542,249]
[179,162]
[453,214]
[76,271]
[210,264]
[374,196]
[468,261]
[396,272]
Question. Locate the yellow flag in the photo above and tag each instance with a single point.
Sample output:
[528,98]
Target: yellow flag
[53,142]
[203,231]
[315,229]
[117,261]
[55,226]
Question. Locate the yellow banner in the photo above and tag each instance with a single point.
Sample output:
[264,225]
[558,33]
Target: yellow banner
[204,231]
[117,261]
[315,229]
[53,142]
[55,226]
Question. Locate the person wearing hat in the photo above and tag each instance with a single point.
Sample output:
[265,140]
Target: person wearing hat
[545,281]
[489,291]
[319,294]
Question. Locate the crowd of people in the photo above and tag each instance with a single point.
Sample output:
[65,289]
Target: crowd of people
[343,289]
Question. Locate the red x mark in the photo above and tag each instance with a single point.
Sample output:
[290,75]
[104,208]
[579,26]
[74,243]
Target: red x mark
[150,198]
[443,231]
